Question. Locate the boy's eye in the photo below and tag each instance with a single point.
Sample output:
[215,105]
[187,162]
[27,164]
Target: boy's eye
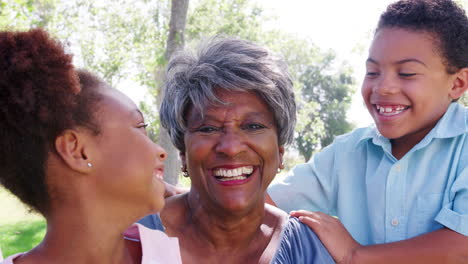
[372,74]
[402,74]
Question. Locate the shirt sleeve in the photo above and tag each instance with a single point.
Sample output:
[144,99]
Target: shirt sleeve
[299,244]
[454,214]
[308,186]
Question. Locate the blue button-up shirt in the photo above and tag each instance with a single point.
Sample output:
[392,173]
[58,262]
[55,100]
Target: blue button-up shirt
[378,198]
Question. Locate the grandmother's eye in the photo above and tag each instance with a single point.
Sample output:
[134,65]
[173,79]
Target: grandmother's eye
[254,126]
[207,129]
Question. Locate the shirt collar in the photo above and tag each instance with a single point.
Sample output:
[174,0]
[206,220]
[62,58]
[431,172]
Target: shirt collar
[453,123]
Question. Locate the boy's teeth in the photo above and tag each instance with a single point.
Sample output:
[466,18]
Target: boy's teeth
[390,110]
[241,171]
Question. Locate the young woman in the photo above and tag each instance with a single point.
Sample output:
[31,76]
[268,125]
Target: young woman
[76,150]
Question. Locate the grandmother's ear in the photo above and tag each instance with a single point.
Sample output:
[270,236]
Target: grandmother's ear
[72,147]
[182,159]
[460,84]
[281,154]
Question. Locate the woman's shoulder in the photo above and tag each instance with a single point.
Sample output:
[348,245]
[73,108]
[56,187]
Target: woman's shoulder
[277,213]
[299,244]
[10,259]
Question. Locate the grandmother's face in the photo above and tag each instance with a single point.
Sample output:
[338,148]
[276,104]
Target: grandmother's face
[232,153]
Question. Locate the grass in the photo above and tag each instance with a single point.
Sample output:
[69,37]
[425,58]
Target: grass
[21,236]
[20,230]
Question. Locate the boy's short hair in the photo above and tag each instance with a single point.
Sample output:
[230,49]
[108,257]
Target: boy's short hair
[444,19]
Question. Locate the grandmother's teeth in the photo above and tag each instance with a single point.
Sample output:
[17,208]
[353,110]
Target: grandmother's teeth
[233,172]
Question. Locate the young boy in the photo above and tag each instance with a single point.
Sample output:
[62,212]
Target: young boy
[400,188]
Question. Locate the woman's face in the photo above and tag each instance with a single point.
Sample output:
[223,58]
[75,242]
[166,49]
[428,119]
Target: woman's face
[129,165]
[232,152]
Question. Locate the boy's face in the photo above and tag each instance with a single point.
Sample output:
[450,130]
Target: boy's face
[406,88]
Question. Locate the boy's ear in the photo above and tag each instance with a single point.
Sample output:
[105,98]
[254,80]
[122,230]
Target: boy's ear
[72,147]
[460,84]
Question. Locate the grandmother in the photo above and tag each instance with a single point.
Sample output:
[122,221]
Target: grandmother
[230,111]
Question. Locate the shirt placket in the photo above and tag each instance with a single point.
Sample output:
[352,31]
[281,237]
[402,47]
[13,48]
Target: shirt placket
[395,216]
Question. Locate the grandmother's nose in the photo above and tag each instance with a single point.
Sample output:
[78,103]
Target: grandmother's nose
[231,144]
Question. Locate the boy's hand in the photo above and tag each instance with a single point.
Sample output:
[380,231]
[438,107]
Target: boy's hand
[331,232]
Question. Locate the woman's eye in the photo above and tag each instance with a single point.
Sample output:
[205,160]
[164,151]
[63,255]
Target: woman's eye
[143,125]
[207,129]
[406,74]
[254,126]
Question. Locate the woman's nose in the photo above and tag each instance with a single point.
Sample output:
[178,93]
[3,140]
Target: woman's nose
[161,153]
[230,144]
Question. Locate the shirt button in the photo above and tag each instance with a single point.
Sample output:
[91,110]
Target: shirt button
[395,222]
[397,168]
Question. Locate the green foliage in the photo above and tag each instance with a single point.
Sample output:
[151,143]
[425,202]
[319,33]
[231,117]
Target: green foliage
[323,89]
[464,99]
[21,236]
[239,18]
[331,91]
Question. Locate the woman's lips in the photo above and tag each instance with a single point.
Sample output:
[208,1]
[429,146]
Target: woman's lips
[159,173]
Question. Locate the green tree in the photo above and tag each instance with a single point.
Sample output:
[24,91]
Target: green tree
[464,100]
[175,42]
[240,18]
[323,91]
[331,91]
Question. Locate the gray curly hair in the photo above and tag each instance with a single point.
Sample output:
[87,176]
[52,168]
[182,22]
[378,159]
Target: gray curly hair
[232,65]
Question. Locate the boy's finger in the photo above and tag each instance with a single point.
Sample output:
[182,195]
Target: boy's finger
[310,222]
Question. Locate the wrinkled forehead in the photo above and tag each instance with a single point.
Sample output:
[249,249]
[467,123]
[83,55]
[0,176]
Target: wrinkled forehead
[222,99]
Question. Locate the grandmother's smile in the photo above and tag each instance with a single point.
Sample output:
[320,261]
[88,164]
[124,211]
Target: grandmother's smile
[233,176]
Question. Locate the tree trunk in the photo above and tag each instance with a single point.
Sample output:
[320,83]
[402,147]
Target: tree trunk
[175,42]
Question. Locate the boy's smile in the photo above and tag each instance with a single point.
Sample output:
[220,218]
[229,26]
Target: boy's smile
[407,88]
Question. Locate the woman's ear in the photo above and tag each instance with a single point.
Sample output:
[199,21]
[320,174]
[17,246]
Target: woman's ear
[73,147]
[281,154]
[460,84]
[183,166]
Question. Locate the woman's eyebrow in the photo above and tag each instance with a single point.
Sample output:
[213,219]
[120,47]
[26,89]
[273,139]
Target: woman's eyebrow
[411,60]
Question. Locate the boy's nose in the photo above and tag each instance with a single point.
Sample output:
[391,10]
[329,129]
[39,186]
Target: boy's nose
[386,85]
[230,144]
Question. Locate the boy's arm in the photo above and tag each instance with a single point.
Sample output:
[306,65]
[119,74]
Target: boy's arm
[440,246]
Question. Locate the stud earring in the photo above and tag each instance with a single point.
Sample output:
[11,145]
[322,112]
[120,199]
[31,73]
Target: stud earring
[184,171]
[89,164]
